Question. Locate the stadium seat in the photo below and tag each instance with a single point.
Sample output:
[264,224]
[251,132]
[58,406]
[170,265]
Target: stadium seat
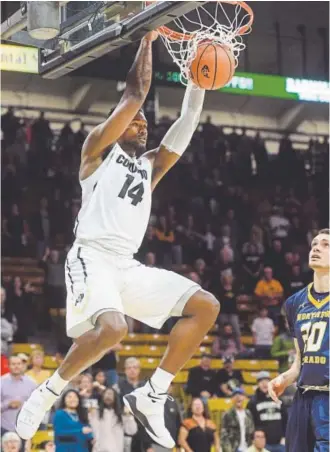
[155,339]
[25,348]
[41,437]
[50,362]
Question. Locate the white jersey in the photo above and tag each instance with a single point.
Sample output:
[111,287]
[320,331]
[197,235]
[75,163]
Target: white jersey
[116,204]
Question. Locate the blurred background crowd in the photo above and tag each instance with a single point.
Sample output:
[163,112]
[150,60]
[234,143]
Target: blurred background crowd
[230,216]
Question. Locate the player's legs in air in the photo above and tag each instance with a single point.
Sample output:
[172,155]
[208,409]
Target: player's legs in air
[198,310]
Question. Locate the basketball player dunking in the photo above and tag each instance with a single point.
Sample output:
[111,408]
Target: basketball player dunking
[103,280]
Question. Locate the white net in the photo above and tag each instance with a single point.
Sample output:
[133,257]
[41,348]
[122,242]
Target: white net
[224,23]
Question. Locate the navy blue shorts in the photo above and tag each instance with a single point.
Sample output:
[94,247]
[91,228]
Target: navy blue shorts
[308,425]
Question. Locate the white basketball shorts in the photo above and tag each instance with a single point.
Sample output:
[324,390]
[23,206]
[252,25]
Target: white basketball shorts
[97,281]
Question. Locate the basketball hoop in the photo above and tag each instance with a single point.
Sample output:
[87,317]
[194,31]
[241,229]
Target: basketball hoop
[222,22]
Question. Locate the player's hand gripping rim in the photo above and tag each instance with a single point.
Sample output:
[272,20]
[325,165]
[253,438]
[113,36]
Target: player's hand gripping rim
[276,388]
[151,36]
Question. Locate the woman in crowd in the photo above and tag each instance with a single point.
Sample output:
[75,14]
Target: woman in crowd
[110,426]
[37,373]
[71,429]
[99,383]
[198,432]
[88,393]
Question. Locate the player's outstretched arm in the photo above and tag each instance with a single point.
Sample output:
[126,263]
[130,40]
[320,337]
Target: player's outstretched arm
[179,135]
[137,87]
[278,385]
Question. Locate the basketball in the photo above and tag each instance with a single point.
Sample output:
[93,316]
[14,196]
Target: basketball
[213,66]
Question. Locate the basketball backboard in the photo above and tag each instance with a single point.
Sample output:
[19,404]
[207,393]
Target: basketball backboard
[89,30]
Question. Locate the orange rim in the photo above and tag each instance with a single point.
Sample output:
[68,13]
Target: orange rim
[177,36]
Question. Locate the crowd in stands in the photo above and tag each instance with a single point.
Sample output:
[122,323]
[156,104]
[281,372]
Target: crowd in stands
[228,216]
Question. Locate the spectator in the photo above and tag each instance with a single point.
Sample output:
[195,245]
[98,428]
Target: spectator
[227,380]
[131,380]
[259,442]
[19,306]
[198,432]
[270,292]
[275,259]
[15,390]
[100,382]
[41,133]
[283,347]
[165,235]
[37,373]
[298,234]
[126,385]
[54,279]
[55,292]
[80,136]
[227,293]
[9,126]
[225,344]
[295,280]
[194,277]
[25,362]
[237,425]
[209,243]
[89,396]
[269,416]
[40,227]
[48,446]
[7,328]
[11,442]
[252,260]
[149,244]
[15,228]
[279,224]
[201,379]
[263,334]
[202,271]
[226,259]
[109,424]
[71,427]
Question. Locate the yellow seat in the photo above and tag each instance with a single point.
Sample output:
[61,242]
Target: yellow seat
[50,362]
[249,389]
[40,437]
[149,363]
[253,364]
[25,348]
[133,338]
[181,377]
[221,404]
[156,339]
[247,340]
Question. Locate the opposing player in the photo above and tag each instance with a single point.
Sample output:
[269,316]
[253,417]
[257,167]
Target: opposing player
[308,318]
[104,282]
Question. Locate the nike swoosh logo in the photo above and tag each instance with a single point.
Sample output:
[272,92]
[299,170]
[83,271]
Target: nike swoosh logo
[153,397]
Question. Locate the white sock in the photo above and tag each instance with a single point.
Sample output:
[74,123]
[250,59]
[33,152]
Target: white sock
[56,383]
[161,380]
